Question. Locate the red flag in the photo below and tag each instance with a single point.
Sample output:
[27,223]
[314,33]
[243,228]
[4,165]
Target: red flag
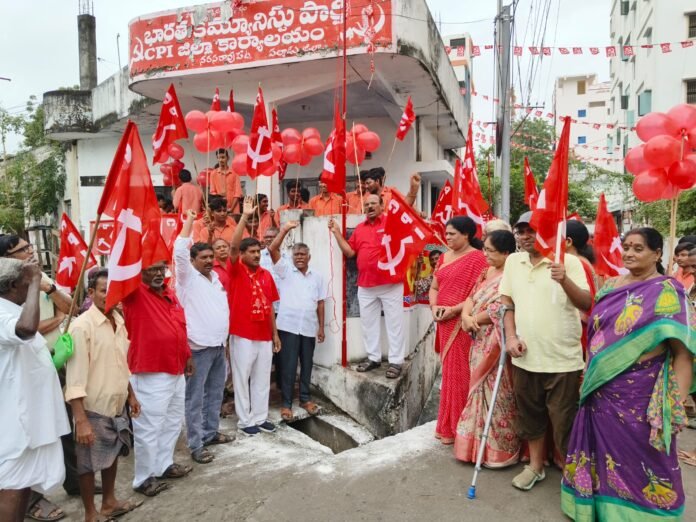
[215,105]
[531,191]
[230,104]
[467,198]
[549,216]
[73,251]
[405,236]
[170,128]
[407,119]
[334,173]
[277,140]
[259,150]
[129,198]
[102,242]
[442,212]
[607,243]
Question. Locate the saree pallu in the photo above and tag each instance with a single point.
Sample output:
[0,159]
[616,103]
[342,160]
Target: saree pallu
[622,461]
[502,444]
[455,281]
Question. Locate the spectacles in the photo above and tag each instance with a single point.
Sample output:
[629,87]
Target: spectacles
[28,248]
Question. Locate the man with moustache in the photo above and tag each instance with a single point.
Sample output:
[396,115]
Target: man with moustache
[207,311]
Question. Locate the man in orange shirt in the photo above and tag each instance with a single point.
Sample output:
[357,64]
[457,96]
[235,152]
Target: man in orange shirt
[188,196]
[357,197]
[225,182]
[267,216]
[215,223]
[374,183]
[294,189]
[325,203]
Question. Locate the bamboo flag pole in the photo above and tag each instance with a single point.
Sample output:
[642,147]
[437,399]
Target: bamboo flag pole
[81,278]
[672,232]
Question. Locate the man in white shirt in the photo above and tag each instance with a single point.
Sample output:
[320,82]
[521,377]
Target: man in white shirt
[31,408]
[300,319]
[207,313]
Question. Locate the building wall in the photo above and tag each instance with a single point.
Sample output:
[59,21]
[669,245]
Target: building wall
[664,74]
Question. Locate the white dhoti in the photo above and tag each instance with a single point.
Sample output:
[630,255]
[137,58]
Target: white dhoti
[157,428]
[251,376]
[372,301]
[41,469]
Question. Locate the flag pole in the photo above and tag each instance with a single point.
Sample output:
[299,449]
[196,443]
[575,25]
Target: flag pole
[81,277]
[672,232]
[344,99]
[392,151]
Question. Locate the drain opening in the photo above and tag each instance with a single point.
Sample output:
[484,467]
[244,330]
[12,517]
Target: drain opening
[325,434]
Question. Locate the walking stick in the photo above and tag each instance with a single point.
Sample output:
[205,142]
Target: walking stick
[489,417]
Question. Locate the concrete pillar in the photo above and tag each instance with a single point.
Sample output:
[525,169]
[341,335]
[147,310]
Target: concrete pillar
[87,45]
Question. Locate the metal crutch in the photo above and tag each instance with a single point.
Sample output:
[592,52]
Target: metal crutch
[489,417]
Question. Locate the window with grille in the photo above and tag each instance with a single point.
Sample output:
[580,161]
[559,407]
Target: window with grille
[458,42]
[625,7]
[692,25]
[582,113]
[690,91]
[581,87]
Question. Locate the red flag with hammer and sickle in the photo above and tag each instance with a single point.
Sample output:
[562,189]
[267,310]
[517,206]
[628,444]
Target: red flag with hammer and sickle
[442,212]
[607,243]
[405,236]
[73,251]
[170,128]
[407,119]
[259,150]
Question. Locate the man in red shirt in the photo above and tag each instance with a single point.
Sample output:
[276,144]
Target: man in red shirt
[377,290]
[188,196]
[158,358]
[253,333]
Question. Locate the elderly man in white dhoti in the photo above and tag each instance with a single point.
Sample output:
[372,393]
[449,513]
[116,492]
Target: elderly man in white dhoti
[31,409]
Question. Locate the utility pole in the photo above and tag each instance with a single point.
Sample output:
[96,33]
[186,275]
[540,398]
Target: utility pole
[503,23]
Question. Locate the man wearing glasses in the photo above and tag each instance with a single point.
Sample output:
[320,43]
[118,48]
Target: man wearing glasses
[54,305]
[158,358]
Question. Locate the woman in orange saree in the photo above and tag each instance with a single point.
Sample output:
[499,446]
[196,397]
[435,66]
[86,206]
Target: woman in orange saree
[456,273]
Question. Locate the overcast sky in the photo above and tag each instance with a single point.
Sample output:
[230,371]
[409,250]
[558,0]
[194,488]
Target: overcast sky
[39,42]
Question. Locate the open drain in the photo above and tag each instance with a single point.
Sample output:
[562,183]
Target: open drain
[325,434]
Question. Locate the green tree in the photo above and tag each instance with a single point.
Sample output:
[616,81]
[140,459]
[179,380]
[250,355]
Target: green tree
[657,214]
[33,180]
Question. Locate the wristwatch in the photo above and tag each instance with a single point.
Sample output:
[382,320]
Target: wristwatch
[51,290]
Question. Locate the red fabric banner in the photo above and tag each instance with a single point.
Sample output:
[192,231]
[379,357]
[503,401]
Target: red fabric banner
[607,243]
[170,127]
[73,251]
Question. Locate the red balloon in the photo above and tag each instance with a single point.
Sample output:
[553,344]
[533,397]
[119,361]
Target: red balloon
[671,191]
[196,121]
[269,170]
[368,140]
[203,178]
[683,116]
[351,154]
[649,185]
[358,129]
[291,153]
[682,174]
[167,180]
[237,120]
[290,136]
[277,152]
[305,158]
[166,168]
[176,151]
[311,132]
[662,151]
[239,164]
[655,124]
[221,121]
[313,146]
[240,144]
[635,161]
[228,137]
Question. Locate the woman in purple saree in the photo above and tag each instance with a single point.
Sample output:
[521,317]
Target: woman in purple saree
[622,458]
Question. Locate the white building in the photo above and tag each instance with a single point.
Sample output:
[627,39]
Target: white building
[585,100]
[649,80]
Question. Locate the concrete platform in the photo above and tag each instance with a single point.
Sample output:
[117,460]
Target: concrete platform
[407,477]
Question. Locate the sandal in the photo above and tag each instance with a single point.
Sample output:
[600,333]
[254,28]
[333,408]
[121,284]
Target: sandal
[202,456]
[151,487]
[366,366]
[286,414]
[310,407]
[219,438]
[393,371]
[687,457]
[175,471]
[123,508]
[44,510]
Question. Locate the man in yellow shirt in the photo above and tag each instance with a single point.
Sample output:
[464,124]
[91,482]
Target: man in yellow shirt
[97,389]
[542,334]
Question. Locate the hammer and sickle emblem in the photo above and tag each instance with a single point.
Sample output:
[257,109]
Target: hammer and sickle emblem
[393,261]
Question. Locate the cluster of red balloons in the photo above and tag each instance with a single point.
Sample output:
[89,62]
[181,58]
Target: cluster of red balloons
[214,129]
[300,147]
[170,171]
[359,141]
[665,164]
